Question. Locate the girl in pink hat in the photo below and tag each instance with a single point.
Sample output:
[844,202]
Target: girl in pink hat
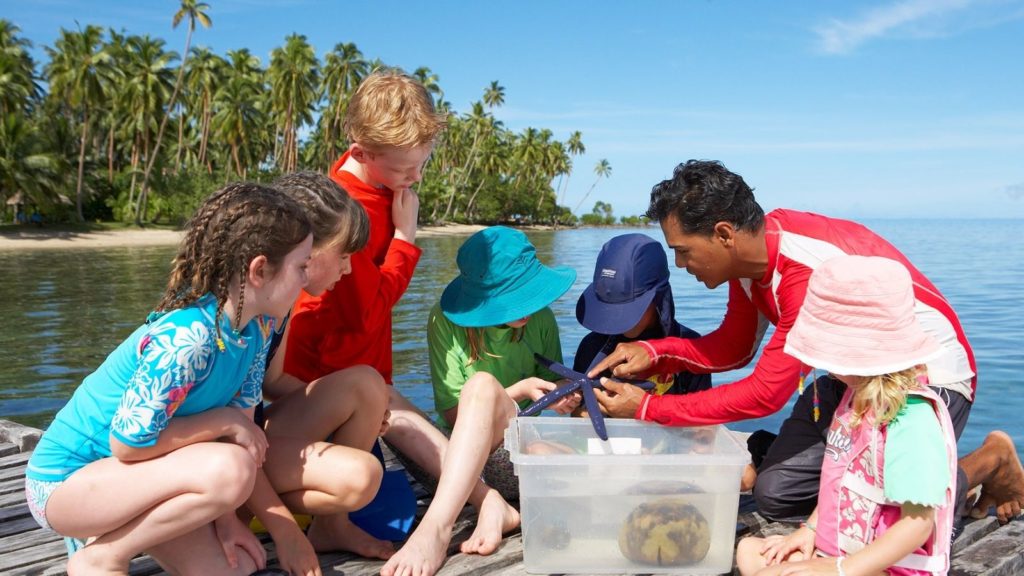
[888,478]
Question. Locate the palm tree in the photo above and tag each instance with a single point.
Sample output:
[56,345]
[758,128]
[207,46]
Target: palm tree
[148,81]
[25,163]
[118,52]
[494,95]
[430,82]
[18,86]
[344,68]
[77,66]
[238,112]
[205,75]
[194,11]
[603,170]
[294,75]
[574,146]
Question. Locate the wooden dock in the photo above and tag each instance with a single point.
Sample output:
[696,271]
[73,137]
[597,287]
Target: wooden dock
[984,548]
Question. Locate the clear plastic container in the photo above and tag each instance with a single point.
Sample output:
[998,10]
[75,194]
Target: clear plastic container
[652,499]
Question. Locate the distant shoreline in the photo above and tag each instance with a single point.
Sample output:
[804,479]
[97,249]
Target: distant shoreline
[26,238]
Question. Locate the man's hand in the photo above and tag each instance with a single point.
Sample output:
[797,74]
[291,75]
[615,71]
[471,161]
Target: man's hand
[621,400]
[629,360]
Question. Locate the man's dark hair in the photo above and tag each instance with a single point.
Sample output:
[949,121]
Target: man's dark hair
[702,193]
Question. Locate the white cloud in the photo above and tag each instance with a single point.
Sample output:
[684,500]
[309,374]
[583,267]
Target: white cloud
[843,36]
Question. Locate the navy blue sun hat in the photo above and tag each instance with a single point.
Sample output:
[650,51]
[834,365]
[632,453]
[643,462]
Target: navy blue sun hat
[630,273]
[501,280]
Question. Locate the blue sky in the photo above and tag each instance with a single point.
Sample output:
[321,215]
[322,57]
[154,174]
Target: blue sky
[907,108]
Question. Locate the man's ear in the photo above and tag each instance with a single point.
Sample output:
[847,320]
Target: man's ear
[258,272]
[725,233]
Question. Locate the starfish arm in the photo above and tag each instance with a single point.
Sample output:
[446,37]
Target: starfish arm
[550,398]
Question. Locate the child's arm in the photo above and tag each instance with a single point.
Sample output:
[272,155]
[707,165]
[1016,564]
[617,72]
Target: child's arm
[906,535]
[228,423]
[294,551]
[780,549]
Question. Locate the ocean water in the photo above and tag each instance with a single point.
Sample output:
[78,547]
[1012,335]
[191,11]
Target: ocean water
[62,312]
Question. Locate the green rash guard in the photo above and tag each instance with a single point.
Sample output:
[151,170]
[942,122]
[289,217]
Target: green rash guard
[914,445]
[508,360]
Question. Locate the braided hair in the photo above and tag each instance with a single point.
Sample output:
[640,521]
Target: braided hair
[337,219]
[236,224]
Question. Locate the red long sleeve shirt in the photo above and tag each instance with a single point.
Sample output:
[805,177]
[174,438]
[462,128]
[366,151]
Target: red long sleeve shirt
[351,323]
[797,243]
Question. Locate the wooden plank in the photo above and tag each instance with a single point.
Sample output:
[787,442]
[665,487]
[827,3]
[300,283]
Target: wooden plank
[24,437]
[12,485]
[12,473]
[17,526]
[974,530]
[15,460]
[12,499]
[1000,553]
[29,538]
[13,512]
[8,448]
[32,556]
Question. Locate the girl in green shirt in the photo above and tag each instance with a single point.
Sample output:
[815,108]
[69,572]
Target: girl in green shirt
[481,339]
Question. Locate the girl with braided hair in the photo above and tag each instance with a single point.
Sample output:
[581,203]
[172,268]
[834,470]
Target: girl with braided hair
[321,432]
[157,447]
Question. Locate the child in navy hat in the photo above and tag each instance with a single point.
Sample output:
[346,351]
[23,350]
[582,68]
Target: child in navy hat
[630,299]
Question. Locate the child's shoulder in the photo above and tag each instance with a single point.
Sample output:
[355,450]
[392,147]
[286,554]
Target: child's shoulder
[197,318]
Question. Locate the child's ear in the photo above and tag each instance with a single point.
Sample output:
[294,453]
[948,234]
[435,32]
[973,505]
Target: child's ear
[358,153]
[258,272]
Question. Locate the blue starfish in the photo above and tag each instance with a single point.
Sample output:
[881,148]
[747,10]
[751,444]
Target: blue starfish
[579,382]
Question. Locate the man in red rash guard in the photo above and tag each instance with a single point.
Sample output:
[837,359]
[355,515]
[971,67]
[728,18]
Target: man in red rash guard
[720,234]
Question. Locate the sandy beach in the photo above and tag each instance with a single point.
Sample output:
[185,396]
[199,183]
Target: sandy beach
[24,238]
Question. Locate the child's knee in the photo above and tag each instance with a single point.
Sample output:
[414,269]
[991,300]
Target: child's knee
[748,555]
[372,388]
[481,385]
[230,472]
[363,480]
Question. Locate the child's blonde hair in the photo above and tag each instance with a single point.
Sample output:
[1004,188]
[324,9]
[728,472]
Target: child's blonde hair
[883,396]
[391,108]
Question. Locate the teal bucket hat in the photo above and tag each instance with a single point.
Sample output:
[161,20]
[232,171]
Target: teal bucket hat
[501,280]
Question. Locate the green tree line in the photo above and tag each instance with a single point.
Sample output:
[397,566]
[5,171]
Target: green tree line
[119,126]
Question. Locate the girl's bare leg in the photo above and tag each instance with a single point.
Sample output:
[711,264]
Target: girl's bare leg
[197,553]
[330,479]
[346,407]
[327,481]
[748,556]
[485,410]
[418,439]
[135,507]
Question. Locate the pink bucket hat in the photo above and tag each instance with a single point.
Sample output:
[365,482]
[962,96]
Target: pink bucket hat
[858,319]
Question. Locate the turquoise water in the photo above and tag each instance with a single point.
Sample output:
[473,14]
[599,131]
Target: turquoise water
[63,311]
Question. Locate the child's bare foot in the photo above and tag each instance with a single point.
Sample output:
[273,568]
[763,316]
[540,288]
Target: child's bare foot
[997,468]
[422,554]
[336,532]
[93,560]
[496,517]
